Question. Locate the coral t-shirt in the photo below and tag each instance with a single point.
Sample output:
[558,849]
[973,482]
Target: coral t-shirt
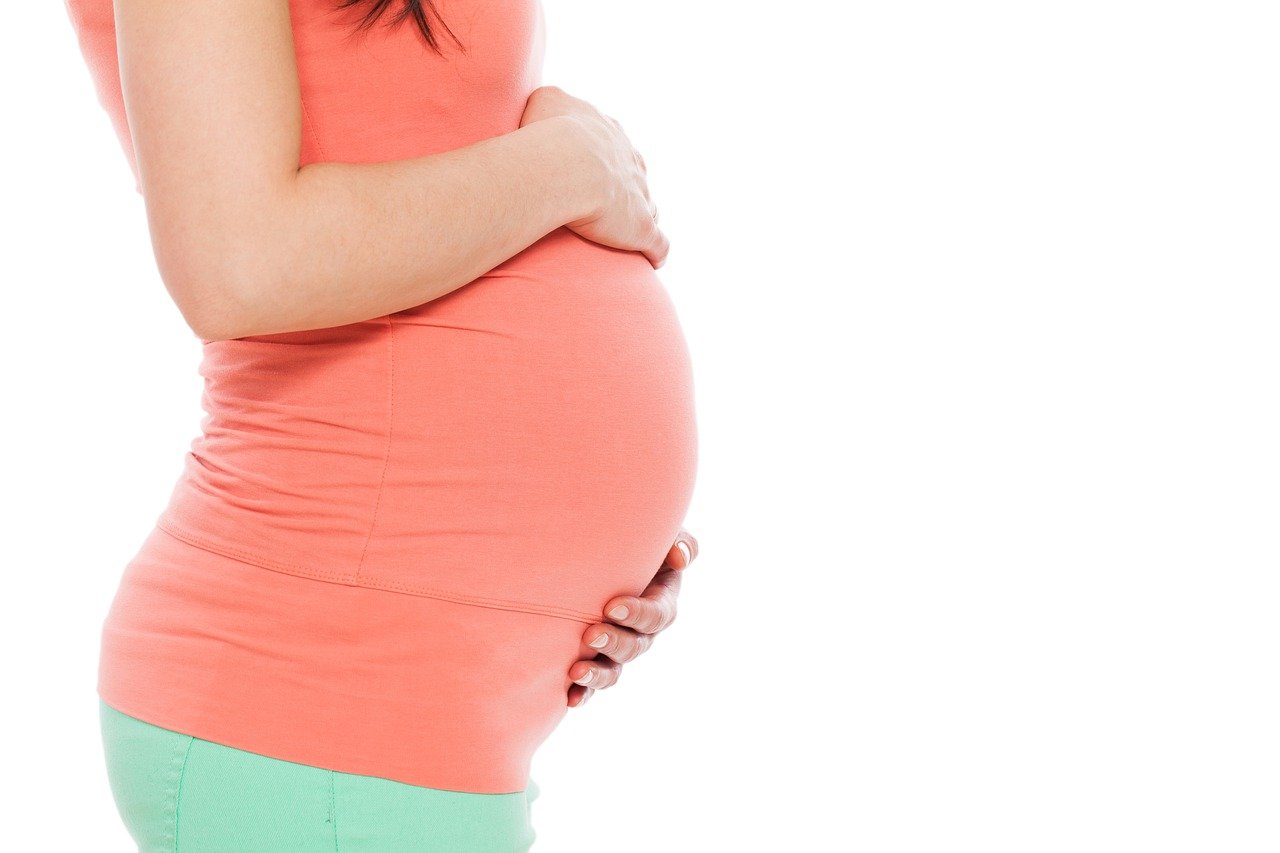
[389,536]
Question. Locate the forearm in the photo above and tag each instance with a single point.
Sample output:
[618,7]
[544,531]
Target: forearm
[345,242]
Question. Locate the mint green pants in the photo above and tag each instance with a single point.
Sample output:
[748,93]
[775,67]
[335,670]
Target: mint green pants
[179,793]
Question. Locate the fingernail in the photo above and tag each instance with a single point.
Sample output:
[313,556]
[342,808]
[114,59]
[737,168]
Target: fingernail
[586,679]
[619,612]
[585,697]
[599,642]
[684,549]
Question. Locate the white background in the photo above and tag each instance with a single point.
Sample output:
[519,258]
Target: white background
[982,300]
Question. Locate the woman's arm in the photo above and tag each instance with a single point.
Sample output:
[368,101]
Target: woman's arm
[355,241]
[248,244]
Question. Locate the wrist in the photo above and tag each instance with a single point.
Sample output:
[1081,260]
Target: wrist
[580,173]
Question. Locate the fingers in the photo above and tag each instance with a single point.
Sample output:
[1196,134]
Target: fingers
[660,246]
[635,622]
[578,696]
[619,644]
[683,551]
[597,673]
[651,611]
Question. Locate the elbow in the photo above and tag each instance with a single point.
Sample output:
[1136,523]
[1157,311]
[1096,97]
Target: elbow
[213,310]
[214,297]
[224,261]
[217,264]
[214,326]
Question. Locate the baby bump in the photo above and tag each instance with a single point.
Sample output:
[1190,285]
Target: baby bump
[543,435]
[526,441]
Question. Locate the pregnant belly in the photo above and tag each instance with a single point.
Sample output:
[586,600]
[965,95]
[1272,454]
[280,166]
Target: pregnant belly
[525,442]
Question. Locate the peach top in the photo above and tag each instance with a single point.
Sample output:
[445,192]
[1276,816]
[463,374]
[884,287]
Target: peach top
[390,535]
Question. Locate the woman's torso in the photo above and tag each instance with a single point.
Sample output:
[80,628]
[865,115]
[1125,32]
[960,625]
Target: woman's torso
[524,443]
[539,417]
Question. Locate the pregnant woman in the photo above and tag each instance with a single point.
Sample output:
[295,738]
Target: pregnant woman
[449,438]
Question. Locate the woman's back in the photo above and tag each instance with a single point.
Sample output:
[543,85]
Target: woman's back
[389,536]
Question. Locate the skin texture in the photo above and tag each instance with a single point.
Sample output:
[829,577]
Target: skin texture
[629,635]
[212,96]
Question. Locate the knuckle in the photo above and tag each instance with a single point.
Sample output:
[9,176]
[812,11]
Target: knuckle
[602,674]
[633,651]
[652,621]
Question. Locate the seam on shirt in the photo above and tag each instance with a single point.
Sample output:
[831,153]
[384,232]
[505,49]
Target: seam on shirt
[371,582]
[310,126]
[386,460]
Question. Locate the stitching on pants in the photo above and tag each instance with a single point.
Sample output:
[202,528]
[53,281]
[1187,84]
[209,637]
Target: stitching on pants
[333,809]
[177,793]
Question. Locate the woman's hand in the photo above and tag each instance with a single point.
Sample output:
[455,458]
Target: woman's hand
[629,634]
[624,216]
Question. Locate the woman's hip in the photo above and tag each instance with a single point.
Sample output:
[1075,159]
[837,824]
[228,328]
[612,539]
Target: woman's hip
[421,690]
[177,792]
